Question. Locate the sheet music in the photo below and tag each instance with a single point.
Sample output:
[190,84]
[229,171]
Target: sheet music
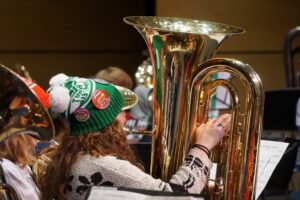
[110,193]
[270,154]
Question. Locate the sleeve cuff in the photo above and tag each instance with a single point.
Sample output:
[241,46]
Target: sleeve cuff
[202,155]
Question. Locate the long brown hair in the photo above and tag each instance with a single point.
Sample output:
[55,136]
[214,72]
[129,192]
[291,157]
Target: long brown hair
[17,149]
[109,141]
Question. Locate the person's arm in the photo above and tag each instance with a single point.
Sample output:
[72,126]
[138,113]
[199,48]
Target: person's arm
[191,176]
[20,180]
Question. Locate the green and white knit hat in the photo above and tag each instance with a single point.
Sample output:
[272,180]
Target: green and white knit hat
[88,104]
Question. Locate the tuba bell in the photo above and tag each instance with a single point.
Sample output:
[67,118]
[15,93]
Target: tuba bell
[183,82]
[29,118]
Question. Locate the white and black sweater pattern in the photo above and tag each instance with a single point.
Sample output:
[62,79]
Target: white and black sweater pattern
[110,171]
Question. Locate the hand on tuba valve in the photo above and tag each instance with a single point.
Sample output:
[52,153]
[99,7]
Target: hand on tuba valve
[211,133]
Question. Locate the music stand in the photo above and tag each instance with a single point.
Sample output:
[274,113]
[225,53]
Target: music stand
[280,109]
[280,114]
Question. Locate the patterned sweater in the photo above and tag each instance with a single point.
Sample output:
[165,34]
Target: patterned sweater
[110,171]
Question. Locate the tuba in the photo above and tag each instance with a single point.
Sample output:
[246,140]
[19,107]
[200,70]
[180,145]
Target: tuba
[30,117]
[181,52]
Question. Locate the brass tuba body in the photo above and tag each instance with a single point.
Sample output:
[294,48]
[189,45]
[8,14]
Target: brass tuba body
[181,52]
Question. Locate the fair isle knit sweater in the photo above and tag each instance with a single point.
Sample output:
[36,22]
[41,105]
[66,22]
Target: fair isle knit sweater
[111,171]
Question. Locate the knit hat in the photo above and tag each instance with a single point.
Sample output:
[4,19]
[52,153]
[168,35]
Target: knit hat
[89,105]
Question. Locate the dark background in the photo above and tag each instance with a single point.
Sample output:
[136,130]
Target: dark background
[81,37]
[74,37]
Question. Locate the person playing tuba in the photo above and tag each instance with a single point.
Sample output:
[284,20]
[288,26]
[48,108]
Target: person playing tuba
[96,151]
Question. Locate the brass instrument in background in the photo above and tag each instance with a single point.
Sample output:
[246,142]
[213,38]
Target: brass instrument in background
[43,159]
[180,50]
[29,118]
[22,71]
[144,74]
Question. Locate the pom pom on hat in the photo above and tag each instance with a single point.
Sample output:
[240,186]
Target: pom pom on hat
[58,79]
[60,99]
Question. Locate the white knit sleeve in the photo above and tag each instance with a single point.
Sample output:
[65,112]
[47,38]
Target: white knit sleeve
[111,171]
[190,177]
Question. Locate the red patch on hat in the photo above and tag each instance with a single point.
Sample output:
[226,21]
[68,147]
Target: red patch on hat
[82,114]
[100,99]
[39,92]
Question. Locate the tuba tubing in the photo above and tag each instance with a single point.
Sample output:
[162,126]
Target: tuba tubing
[241,150]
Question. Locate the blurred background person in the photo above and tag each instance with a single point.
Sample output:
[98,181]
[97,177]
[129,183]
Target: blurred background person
[16,154]
[116,76]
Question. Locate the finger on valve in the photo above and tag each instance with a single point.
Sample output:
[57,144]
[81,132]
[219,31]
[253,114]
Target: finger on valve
[222,122]
[211,133]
